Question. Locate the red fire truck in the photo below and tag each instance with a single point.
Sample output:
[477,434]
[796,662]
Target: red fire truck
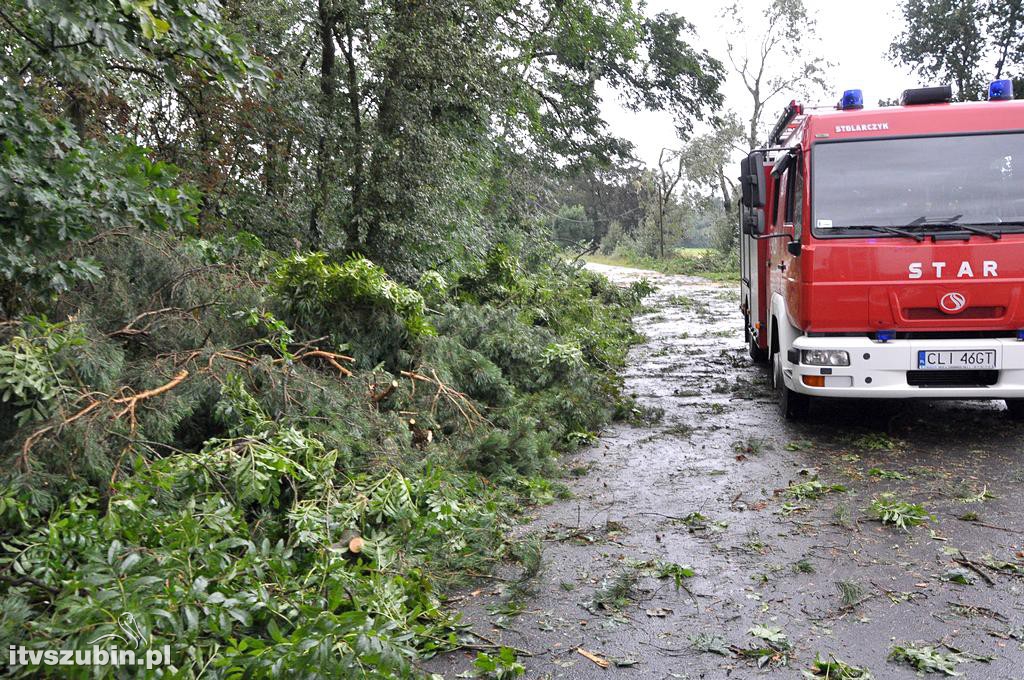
[882,250]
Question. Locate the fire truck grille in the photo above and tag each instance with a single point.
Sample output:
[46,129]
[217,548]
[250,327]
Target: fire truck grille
[931,313]
[952,378]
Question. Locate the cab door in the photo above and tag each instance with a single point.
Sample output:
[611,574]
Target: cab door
[784,266]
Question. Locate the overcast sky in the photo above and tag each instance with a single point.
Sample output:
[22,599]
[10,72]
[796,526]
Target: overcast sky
[855,38]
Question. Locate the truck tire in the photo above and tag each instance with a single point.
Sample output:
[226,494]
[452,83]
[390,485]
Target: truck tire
[792,405]
[1015,409]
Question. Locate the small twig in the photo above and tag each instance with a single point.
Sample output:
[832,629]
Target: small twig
[517,650]
[988,526]
[130,330]
[130,402]
[459,400]
[330,358]
[17,581]
[658,514]
[966,561]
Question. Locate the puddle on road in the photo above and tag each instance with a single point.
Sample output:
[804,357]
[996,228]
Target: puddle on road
[705,486]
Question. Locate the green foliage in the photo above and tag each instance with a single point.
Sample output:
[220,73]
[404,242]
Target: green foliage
[773,646]
[677,572]
[812,489]
[835,669]
[876,441]
[187,441]
[31,367]
[711,643]
[888,510]
[850,592]
[926,659]
[616,590]
[500,666]
[708,263]
[951,42]
[960,575]
[230,552]
[323,296]
[56,191]
[220,505]
[772,634]
[887,474]
[63,177]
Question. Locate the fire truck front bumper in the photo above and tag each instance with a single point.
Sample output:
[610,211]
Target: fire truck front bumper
[989,368]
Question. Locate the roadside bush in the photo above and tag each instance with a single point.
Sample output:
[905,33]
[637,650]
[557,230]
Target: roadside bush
[725,234]
[611,240]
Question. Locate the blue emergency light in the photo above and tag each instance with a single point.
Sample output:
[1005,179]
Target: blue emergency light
[852,99]
[1000,90]
[885,336]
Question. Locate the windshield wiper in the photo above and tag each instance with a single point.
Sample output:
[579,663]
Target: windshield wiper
[998,225]
[952,223]
[887,230]
[996,235]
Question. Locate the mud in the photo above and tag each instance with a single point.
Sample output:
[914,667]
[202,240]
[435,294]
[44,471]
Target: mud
[760,556]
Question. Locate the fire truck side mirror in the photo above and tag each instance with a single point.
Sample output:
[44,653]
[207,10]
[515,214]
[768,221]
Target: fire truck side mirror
[752,181]
[753,221]
[795,248]
[752,196]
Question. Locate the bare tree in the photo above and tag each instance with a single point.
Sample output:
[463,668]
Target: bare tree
[669,173]
[707,155]
[781,60]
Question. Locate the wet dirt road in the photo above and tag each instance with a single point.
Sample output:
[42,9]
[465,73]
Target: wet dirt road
[705,485]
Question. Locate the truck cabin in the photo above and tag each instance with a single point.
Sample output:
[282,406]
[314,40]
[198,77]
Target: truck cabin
[891,224]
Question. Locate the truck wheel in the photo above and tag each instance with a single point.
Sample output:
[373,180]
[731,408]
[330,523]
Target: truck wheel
[757,355]
[1015,409]
[792,405]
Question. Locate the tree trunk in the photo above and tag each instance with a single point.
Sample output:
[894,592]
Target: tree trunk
[752,139]
[661,232]
[726,194]
[355,143]
[327,19]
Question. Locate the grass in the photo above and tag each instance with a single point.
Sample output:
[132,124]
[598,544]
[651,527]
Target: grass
[803,566]
[704,262]
[876,441]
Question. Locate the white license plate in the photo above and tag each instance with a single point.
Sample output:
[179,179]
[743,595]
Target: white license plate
[956,359]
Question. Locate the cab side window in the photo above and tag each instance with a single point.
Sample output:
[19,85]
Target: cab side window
[780,209]
[795,198]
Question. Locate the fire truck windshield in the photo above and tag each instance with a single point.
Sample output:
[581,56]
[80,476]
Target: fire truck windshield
[919,185]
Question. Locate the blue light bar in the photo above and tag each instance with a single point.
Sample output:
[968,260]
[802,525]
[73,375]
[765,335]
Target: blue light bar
[852,99]
[885,336]
[1000,90]
[1020,336]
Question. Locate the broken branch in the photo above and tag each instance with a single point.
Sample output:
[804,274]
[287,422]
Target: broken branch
[130,402]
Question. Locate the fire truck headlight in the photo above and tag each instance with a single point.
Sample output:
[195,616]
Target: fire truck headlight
[825,357]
